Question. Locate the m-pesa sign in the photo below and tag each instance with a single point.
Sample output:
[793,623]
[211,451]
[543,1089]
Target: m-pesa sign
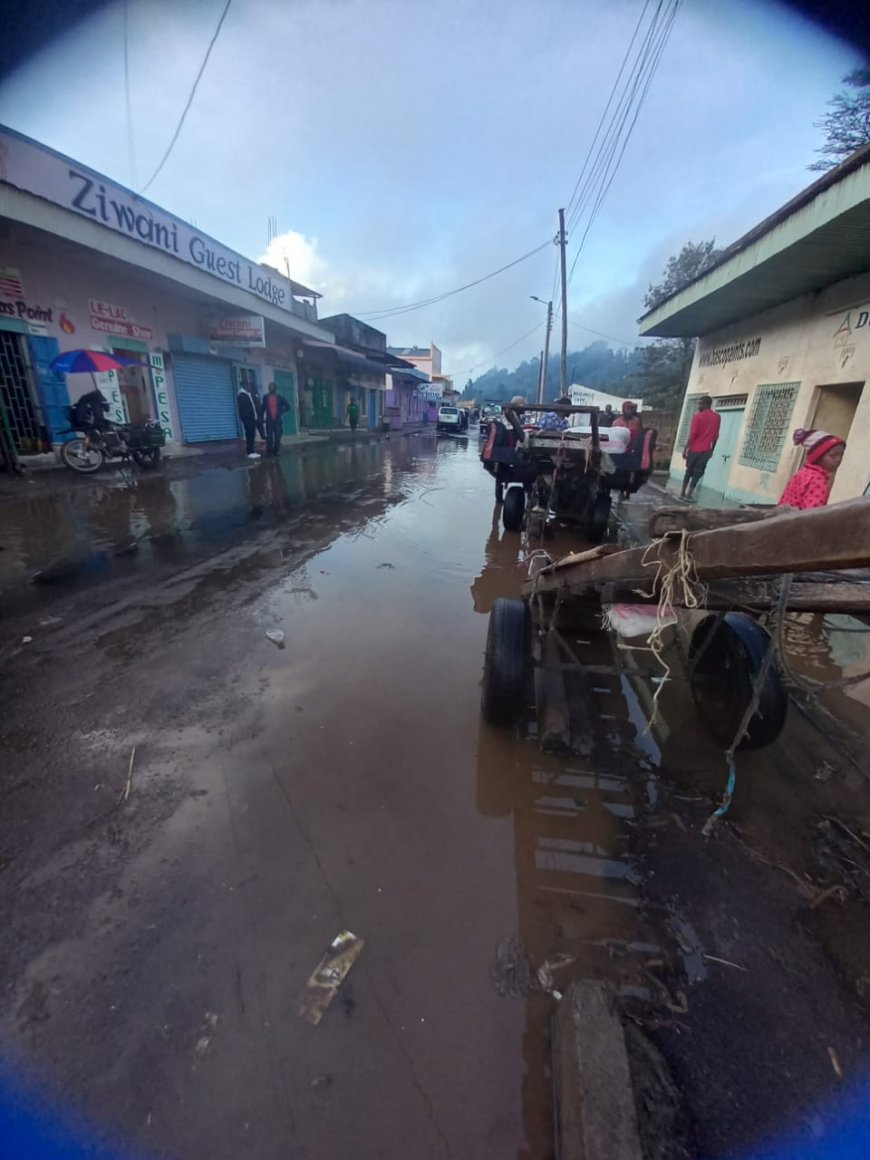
[32,167]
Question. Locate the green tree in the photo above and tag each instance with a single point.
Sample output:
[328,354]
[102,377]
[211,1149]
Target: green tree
[847,125]
[668,361]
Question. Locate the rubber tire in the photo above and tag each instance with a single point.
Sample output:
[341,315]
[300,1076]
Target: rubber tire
[499,491]
[513,509]
[722,679]
[506,662]
[598,524]
[146,457]
[75,464]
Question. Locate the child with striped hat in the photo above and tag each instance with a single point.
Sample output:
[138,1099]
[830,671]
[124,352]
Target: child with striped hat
[811,486]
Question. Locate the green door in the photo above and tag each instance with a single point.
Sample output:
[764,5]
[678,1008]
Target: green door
[321,404]
[722,460]
[285,381]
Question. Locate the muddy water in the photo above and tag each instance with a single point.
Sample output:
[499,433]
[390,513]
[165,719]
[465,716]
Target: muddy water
[344,781]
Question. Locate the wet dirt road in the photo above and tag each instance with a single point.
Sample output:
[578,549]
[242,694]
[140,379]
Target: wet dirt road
[158,944]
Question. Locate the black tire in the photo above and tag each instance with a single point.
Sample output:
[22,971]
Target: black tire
[598,524]
[514,507]
[506,662]
[146,457]
[81,459]
[723,676]
[499,491]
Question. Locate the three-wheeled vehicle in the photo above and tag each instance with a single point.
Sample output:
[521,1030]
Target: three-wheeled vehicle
[551,461]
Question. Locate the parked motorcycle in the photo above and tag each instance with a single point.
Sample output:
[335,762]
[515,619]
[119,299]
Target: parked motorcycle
[140,442]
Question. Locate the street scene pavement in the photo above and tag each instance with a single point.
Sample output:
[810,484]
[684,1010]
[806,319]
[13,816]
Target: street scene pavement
[193,811]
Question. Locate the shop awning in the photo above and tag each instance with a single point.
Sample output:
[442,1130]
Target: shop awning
[347,357]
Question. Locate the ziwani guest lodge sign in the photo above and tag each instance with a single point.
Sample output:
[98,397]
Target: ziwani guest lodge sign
[32,167]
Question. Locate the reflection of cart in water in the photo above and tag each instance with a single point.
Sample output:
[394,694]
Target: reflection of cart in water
[556,468]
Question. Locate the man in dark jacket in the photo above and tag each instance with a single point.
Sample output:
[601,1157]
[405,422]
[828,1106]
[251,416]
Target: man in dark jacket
[274,406]
[251,418]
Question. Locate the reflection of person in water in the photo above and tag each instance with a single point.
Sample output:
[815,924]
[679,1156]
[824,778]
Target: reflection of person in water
[500,575]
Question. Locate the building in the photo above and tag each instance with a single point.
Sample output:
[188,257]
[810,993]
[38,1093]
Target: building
[86,263]
[588,397]
[427,360]
[783,327]
[365,370]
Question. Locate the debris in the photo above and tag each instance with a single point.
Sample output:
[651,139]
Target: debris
[328,975]
[386,565]
[835,1063]
[26,639]
[276,636]
[511,973]
[324,1081]
[129,784]
[839,892]
[724,962]
[49,620]
[824,771]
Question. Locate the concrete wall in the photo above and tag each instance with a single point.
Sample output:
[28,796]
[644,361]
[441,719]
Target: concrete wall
[817,341]
[59,286]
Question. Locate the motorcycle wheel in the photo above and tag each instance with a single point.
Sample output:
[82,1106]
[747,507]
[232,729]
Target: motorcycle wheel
[146,457]
[79,456]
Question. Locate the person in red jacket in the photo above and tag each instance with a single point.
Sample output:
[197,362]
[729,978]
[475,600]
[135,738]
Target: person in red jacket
[811,486]
[703,436]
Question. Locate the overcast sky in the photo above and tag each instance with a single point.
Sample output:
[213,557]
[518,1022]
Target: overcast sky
[408,146]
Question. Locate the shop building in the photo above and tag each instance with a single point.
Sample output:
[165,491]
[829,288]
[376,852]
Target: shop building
[86,263]
[362,363]
[783,327]
[427,360]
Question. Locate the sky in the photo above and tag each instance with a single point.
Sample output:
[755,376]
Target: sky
[407,147]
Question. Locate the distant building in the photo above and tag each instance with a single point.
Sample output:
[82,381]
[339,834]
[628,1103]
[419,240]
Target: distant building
[783,327]
[427,359]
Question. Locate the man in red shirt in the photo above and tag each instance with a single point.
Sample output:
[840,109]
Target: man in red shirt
[703,434]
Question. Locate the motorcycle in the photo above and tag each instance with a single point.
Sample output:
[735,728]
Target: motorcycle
[88,452]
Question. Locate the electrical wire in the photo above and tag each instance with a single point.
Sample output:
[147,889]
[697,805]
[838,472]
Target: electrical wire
[601,334]
[192,94]
[393,311]
[499,353]
[630,106]
[131,151]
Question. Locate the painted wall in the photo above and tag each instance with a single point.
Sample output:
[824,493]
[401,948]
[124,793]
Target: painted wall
[76,297]
[818,340]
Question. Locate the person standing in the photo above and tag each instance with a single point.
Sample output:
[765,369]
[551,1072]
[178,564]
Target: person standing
[605,419]
[274,407]
[811,486]
[703,437]
[630,419]
[353,413]
[250,417]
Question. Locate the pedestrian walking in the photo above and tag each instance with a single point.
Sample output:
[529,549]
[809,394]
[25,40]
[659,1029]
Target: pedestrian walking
[811,486]
[274,407]
[353,413]
[703,437]
[250,416]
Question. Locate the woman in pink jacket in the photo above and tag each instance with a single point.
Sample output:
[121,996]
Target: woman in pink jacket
[811,486]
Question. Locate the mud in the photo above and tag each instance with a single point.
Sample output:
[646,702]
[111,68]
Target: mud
[157,944]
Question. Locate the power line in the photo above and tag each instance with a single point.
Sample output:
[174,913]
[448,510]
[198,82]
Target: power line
[498,354]
[189,101]
[131,152]
[601,334]
[393,311]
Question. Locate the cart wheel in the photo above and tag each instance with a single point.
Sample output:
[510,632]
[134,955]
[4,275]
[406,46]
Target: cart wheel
[723,676]
[506,661]
[598,523]
[514,506]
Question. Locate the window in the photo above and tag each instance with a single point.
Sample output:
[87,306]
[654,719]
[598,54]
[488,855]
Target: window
[768,426]
[730,402]
[689,412]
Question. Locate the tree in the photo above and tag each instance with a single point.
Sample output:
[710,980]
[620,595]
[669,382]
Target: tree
[668,361]
[847,125]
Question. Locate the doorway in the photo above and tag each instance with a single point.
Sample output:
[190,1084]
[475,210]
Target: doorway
[285,383]
[719,467]
[835,408]
[17,397]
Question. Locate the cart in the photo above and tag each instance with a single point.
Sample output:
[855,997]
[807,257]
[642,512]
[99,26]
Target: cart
[546,473]
[545,649]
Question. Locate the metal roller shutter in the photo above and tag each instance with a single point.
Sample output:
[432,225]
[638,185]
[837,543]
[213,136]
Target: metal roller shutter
[206,398]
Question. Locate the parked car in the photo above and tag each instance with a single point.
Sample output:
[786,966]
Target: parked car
[450,419]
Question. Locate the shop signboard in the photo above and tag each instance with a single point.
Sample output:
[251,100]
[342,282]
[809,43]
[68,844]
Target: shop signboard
[239,330]
[34,168]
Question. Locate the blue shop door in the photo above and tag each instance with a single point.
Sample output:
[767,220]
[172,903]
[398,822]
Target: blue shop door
[53,393]
[373,409]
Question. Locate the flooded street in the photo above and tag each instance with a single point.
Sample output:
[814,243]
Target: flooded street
[279,796]
[193,813]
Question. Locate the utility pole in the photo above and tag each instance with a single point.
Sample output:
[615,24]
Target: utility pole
[563,366]
[545,353]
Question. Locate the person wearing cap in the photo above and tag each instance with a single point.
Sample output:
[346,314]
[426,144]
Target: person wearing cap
[630,419]
[553,420]
[811,486]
